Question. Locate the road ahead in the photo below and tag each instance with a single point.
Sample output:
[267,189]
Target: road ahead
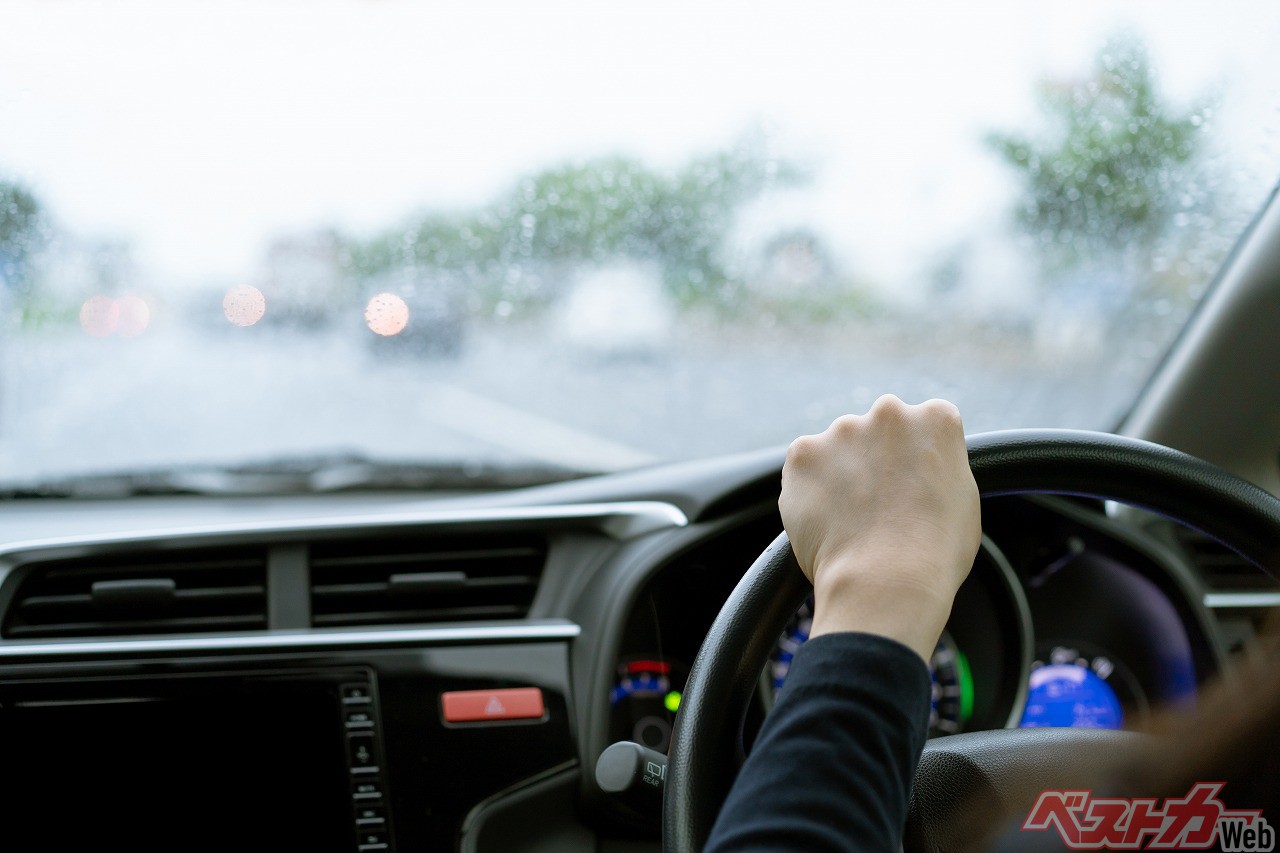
[73,404]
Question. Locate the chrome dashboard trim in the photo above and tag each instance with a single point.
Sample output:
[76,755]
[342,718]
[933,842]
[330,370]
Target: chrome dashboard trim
[1218,600]
[1026,630]
[300,640]
[621,520]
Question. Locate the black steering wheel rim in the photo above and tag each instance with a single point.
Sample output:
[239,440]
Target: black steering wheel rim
[706,748]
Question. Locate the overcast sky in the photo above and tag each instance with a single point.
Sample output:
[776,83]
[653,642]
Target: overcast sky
[199,130]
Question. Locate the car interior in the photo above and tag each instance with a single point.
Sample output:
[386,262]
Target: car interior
[418,670]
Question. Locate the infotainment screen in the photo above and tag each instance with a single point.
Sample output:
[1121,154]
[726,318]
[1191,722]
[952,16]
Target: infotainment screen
[229,763]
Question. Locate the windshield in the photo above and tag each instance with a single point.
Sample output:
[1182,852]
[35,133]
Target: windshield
[564,238]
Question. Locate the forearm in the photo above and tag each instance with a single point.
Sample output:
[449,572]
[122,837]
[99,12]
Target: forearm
[831,769]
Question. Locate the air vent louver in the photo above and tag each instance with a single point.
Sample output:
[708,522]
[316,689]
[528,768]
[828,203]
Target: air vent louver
[1222,569]
[377,582]
[159,593]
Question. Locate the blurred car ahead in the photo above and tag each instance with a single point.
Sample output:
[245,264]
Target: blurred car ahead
[410,312]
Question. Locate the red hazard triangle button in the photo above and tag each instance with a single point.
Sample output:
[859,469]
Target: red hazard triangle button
[469,706]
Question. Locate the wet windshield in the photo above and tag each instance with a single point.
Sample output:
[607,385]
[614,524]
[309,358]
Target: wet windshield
[345,243]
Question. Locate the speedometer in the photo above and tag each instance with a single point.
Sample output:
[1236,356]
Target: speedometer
[1080,686]
[953,693]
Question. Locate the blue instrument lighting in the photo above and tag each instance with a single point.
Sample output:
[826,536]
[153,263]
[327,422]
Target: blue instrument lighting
[1069,695]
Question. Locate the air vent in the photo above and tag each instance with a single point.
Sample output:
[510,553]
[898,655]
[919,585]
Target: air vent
[376,582]
[1222,569]
[176,592]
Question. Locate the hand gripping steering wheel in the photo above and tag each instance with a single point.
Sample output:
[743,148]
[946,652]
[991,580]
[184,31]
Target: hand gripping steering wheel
[706,748]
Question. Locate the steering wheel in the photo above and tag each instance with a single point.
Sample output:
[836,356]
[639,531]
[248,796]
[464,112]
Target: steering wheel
[706,747]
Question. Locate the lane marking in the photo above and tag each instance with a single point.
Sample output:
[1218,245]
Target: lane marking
[525,433]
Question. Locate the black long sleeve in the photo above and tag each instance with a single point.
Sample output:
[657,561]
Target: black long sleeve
[831,769]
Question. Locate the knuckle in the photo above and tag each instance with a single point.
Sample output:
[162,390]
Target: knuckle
[944,411]
[889,406]
[802,450]
[845,425]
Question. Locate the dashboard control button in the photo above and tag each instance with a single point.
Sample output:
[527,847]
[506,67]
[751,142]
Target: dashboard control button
[356,694]
[360,753]
[469,706]
[366,789]
[359,717]
[370,816]
[372,839]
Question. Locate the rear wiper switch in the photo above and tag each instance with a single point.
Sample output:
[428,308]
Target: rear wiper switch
[634,774]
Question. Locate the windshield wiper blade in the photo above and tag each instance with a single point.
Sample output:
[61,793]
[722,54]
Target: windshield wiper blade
[302,475]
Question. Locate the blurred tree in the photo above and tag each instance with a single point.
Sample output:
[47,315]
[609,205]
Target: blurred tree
[22,231]
[597,211]
[1114,174]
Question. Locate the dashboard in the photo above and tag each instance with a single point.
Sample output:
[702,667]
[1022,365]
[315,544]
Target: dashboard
[383,672]
[1070,627]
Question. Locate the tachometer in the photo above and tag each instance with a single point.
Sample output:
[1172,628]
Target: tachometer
[952,682]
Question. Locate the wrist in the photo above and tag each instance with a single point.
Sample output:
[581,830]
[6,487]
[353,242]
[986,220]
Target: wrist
[910,607]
